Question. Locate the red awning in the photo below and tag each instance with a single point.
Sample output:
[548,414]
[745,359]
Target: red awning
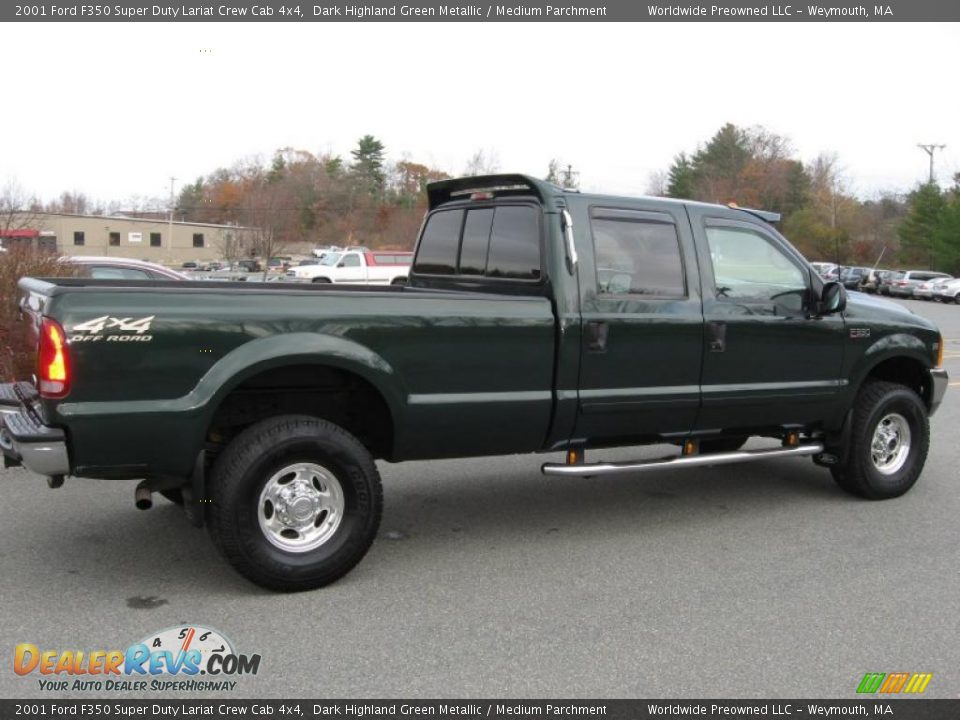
[16,234]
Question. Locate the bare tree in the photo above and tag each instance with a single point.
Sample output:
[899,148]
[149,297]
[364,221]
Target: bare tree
[17,210]
[482,162]
[266,210]
[657,183]
[230,244]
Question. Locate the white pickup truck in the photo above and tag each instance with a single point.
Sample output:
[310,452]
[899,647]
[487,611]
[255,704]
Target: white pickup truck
[384,267]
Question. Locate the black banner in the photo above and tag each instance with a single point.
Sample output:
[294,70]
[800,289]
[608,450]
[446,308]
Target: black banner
[873,707]
[472,11]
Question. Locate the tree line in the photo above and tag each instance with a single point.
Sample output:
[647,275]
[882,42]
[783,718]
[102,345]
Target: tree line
[754,167]
[299,199]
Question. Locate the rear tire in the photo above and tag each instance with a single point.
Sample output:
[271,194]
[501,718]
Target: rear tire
[889,440]
[295,503]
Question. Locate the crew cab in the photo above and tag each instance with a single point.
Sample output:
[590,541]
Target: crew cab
[353,266]
[535,320]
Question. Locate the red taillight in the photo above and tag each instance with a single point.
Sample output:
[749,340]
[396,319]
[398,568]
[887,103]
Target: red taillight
[53,358]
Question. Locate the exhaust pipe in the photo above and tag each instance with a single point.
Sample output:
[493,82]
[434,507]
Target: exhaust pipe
[143,496]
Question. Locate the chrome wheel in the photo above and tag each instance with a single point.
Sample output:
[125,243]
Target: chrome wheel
[890,446]
[300,507]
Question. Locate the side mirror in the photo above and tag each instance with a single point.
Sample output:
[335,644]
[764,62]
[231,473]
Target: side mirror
[833,299]
[342,264]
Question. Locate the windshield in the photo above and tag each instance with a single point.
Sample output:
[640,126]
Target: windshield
[330,259]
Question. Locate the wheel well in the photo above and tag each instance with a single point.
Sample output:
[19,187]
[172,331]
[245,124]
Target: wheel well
[904,371]
[339,396]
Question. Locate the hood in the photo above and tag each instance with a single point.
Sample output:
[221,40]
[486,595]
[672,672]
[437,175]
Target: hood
[861,306]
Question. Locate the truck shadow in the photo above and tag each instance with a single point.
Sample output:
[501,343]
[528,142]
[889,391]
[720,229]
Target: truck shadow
[502,501]
[147,559]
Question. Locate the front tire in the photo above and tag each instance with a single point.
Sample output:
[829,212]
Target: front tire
[295,503]
[889,440]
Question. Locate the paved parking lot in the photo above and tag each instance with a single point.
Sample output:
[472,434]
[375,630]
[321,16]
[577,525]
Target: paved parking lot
[490,580]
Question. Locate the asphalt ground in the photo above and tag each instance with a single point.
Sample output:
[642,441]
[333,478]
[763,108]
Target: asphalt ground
[490,580]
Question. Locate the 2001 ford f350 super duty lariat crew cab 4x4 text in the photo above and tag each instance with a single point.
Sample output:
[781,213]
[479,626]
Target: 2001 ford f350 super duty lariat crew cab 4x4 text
[535,319]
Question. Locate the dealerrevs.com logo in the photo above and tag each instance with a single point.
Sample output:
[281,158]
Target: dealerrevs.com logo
[186,657]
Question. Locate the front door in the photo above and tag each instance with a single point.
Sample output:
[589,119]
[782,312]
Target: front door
[769,361]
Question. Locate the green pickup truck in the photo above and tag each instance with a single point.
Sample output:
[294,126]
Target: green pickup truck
[535,319]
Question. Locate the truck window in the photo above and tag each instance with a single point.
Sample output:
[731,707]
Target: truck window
[748,266]
[352,260]
[637,258]
[496,242]
[106,272]
[514,244]
[437,253]
[476,241]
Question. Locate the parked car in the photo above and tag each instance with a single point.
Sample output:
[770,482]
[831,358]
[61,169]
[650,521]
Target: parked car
[252,266]
[870,282]
[852,276]
[924,291]
[824,269]
[381,267]
[947,291]
[883,279]
[115,268]
[506,339]
[903,285]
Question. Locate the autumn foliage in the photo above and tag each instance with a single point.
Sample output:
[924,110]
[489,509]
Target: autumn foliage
[17,353]
[301,200]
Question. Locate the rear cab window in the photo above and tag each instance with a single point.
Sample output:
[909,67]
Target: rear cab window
[489,243]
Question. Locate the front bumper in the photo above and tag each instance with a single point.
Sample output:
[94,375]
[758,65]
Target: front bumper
[939,381]
[24,439]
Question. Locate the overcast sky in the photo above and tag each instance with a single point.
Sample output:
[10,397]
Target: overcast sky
[114,110]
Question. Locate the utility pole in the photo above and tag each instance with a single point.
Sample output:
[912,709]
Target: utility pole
[571,178]
[930,150]
[170,224]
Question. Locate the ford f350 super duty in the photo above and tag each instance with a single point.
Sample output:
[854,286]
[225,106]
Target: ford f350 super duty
[535,319]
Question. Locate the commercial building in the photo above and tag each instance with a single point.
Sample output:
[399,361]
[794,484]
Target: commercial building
[170,243]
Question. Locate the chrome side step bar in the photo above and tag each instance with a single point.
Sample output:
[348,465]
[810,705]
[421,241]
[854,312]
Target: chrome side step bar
[682,461]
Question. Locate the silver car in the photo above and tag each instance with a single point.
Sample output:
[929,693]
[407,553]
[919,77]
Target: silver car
[947,291]
[904,285]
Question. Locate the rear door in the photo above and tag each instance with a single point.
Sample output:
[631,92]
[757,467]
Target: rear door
[642,324]
[768,361]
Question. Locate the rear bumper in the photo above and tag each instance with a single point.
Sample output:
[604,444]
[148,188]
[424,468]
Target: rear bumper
[939,381]
[24,439]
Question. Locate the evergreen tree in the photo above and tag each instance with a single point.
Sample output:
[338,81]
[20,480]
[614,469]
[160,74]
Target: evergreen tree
[925,206]
[946,237]
[680,178]
[368,164]
[718,165]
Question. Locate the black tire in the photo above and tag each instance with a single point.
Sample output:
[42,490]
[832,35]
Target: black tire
[879,402]
[724,444]
[325,281]
[257,456]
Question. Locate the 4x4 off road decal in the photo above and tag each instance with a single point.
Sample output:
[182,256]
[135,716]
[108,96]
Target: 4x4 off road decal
[111,329]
